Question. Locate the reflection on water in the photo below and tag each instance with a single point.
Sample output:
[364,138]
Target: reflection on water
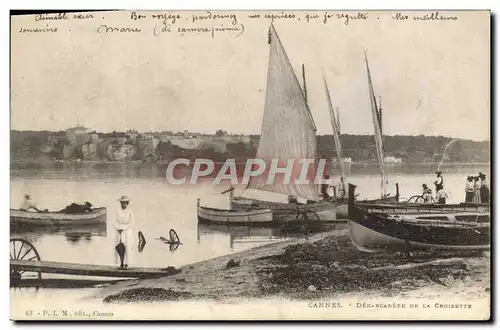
[159,207]
[245,237]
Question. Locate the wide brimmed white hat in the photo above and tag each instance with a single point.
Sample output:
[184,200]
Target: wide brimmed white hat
[124,199]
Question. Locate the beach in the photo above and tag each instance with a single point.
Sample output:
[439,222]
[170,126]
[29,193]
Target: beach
[321,266]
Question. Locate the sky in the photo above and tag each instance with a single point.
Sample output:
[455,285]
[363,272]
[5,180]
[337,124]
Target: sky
[433,76]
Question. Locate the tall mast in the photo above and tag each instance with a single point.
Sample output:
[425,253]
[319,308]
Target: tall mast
[377,115]
[304,82]
[335,120]
[381,122]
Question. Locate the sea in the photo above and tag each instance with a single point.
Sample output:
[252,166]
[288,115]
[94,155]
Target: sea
[159,207]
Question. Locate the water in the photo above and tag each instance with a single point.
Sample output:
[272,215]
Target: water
[158,207]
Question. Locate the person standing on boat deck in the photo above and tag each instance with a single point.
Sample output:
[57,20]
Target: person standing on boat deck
[28,204]
[477,191]
[426,194]
[484,191]
[439,181]
[123,225]
[341,188]
[469,190]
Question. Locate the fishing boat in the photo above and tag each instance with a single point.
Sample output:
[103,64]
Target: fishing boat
[208,215]
[441,227]
[288,130]
[29,218]
[294,138]
[342,209]
[376,110]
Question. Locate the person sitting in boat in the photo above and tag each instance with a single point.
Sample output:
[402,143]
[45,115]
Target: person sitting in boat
[28,204]
[75,208]
[341,188]
[426,194]
[441,197]
[477,191]
[292,200]
[439,181]
[469,190]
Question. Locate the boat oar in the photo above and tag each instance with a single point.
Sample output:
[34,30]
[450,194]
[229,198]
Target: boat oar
[227,190]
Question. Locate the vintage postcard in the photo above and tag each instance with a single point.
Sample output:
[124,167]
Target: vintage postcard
[250,165]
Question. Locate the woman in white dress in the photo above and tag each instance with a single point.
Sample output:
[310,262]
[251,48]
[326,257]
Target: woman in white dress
[123,231]
[477,191]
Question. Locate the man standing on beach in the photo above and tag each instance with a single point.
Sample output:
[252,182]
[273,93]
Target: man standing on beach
[123,225]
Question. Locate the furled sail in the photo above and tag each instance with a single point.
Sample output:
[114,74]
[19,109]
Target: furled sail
[288,129]
[377,118]
[335,119]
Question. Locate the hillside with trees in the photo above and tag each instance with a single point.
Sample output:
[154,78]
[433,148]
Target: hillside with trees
[43,145]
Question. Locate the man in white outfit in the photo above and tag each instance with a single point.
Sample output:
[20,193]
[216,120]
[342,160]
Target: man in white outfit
[123,224]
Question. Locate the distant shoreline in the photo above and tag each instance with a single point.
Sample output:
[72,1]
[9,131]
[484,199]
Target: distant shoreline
[160,163]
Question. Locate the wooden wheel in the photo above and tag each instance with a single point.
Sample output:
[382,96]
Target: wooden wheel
[308,216]
[416,199]
[21,249]
[174,238]
[174,241]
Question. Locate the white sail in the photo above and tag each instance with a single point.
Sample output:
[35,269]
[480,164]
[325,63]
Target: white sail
[334,117]
[288,130]
[378,131]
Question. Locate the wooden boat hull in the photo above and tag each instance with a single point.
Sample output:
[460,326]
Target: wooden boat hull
[26,218]
[371,238]
[444,230]
[219,216]
[326,211]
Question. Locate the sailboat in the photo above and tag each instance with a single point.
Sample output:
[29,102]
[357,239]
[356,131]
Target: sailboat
[289,133]
[342,209]
[379,142]
[375,225]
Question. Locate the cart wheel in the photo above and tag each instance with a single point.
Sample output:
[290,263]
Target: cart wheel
[21,249]
[416,199]
[174,238]
[174,241]
[308,216]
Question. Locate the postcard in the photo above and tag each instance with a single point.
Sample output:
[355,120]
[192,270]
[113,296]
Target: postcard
[250,165]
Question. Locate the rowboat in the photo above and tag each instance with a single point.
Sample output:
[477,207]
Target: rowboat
[27,218]
[283,212]
[210,215]
[324,210]
[385,227]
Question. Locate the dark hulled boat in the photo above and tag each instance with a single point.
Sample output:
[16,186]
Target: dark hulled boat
[404,227]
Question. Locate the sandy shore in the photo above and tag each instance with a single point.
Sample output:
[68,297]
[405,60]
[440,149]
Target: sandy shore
[321,265]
